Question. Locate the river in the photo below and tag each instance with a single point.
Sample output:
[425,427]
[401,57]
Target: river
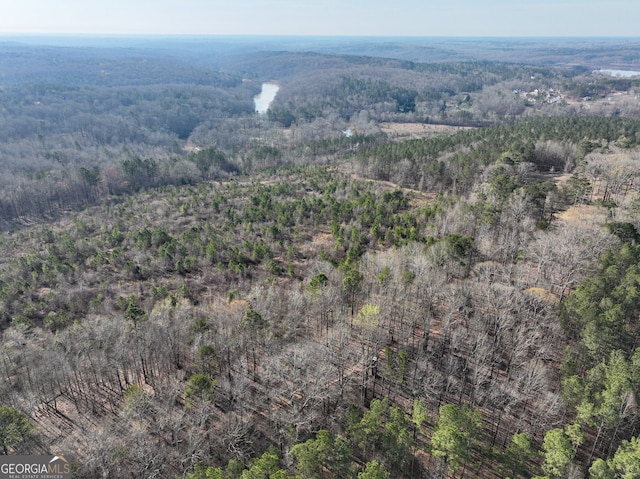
[620,73]
[266,96]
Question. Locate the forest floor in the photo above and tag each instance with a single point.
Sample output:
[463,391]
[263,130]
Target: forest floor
[576,214]
[580,214]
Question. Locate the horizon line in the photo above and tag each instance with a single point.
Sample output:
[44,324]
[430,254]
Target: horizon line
[298,35]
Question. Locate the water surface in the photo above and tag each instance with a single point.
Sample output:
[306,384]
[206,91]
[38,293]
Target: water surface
[620,73]
[265,97]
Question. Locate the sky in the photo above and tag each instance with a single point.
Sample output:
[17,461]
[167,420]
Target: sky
[492,18]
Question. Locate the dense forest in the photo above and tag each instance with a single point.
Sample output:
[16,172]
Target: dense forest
[407,268]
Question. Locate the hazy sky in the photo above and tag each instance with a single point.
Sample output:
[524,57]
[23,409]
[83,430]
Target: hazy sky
[325,17]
